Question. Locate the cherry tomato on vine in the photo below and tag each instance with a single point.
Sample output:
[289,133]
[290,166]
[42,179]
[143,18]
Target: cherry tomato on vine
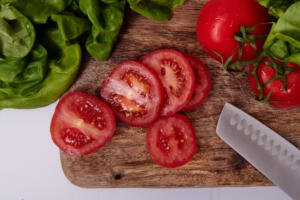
[280,83]
[224,26]
[134,92]
[202,83]
[81,124]
[177,76]
[171,141]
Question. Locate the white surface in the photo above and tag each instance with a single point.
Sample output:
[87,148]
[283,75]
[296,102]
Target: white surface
[30,169]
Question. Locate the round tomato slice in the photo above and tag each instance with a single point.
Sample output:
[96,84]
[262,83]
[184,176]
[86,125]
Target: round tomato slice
[81,124]
[177,76]
[280,90]
[134,92]
[226,25]
[171,141]
[202,83]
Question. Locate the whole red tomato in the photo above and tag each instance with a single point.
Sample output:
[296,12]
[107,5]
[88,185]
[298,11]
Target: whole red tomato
[221,24]
[279,83]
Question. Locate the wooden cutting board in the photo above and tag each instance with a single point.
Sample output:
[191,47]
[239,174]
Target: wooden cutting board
[124,162]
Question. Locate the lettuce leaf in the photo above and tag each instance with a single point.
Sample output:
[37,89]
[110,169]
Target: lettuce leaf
[277,7]
[36,10]
[160,10]
[107,19]
[283,40]
[17,34]
[46,72]
[40,53]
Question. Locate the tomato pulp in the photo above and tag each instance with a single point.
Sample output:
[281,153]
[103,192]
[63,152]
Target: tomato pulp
[171,141]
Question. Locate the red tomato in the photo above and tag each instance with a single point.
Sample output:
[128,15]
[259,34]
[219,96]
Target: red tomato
[171,141]
[279,96]
[202,83]
[134,92]
[177,76]
[81,124]
[219,22]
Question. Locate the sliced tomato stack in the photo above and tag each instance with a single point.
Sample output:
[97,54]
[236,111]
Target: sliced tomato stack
[162,83]
[146,93]
[177,76]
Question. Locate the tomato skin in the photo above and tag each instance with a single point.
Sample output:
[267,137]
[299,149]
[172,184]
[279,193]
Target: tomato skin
[181,79]
[202,83]
[171,141]
[279,97]
[81,124]
[132,76]
[220,20]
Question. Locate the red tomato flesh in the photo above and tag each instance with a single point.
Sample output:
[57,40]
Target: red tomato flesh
[134,92]
[280,96]
[202,83]
[177,76]
[220,20]
[81,124]
[171,141]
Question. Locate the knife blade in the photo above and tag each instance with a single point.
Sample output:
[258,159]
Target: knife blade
[266,150]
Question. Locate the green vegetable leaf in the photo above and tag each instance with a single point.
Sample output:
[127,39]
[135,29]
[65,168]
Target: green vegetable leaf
[283,41]
[107,18]
[71,27]
[160,10]
[277,7]
[11,68]
[17,34]
[38,11]
[43,78]
[36,70]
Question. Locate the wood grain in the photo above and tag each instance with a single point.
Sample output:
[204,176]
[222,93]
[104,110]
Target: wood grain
[124,162]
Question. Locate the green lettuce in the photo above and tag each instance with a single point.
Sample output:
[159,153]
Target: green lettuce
[155,9]
[277,7]
[36,10]
[40,53]
[107,19]
[17,34]
[283,41]
[41,77]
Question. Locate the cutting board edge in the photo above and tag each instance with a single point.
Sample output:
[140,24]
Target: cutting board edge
[81,184]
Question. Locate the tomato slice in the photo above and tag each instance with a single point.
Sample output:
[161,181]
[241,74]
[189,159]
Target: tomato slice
[81,124]
[202,83]
[134,92]
[171,141]
[177,76]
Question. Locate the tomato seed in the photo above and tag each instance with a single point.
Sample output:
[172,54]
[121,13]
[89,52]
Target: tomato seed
[90,114]
[163,71]
[75,138]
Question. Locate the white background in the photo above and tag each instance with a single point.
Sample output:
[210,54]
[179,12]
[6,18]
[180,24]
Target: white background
[30,169]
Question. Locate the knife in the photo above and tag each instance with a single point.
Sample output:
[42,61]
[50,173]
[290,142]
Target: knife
[267,151]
